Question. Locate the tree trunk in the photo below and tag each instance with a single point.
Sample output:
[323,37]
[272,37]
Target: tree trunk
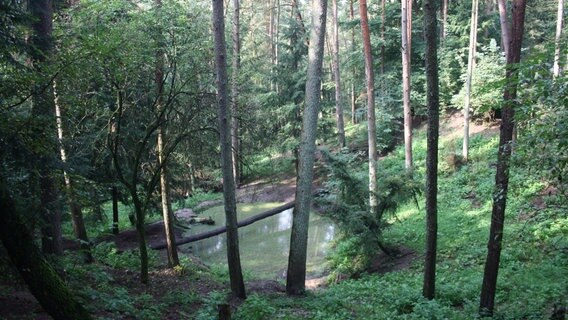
[336,76]
[433,103]
[371,124]
[141,231]
[76,210]
[406,49]
[42,280]
[559,22]
[43,112]
[173,259]
[233,256]
[489,285]
[505,26]
[235,88]
[470,66]
[383,29]
[296,274]
[444,27]
[354,72]
[114,210]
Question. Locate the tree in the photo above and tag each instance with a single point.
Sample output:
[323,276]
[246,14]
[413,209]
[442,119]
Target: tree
[233,256]
[75,208]
[444,26]
[406,31]
[489,285]
[336,77]
[296,273]
[559,22]
[505,26]
[43,112]
[470,65]
[433,102]
[371,123]
[42,280]
[235,90]
[173,259]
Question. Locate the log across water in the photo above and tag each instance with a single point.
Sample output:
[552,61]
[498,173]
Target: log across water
[220,230]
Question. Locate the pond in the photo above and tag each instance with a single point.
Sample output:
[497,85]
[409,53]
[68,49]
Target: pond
[264,245]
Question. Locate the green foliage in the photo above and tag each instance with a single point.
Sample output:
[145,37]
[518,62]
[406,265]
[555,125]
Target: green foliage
[108,254]
[257,308]
[209,310]
[486,83]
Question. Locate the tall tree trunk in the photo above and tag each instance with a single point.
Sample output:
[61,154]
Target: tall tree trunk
[296,273]
[433,102]
[44,112]
[559,22]
[114,192]
[354,70]
[141,232]
[76,210]
[371,123]
[444,27]
[505,26]
[406,50]
[235,89]
[336,76]
[42,280]
[173,259]
[470,66]
[233,256]
[489,285]
[383,39]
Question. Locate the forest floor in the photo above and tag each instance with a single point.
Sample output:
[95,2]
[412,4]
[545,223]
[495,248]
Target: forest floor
[17,303]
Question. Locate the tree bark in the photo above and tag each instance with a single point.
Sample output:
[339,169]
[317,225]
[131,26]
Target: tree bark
[76,210]
[470,66]
[371,123]
[114,191]
[406,50]
[224,115]
[433,104]
[559,22]
[444,27]
[44,113]
[296,274]
[354,72]
[235,88]
[505,26]
[336,77]
[42,280]
[173,259]
[489,285]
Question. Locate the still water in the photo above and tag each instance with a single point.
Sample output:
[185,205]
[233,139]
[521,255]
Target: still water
[264,245]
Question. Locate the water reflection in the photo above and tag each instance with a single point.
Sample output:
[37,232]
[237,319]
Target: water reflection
[264,245]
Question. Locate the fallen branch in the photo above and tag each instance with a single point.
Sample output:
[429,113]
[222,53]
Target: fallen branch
[218,231]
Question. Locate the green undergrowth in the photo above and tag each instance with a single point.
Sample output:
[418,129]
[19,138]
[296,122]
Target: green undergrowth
[533,273]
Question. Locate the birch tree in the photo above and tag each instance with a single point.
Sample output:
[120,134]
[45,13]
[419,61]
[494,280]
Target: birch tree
[470,66]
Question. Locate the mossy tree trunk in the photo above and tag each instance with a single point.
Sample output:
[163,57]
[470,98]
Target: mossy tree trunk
[42,280]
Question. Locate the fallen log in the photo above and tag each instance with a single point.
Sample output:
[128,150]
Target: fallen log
[218,231]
